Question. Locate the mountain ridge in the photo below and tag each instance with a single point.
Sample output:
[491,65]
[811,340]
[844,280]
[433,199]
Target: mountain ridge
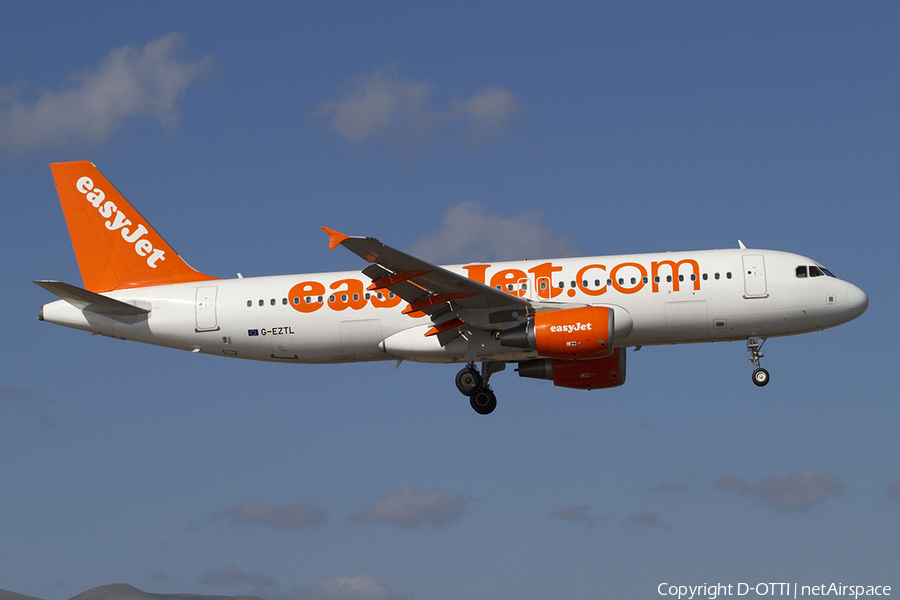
[124,591]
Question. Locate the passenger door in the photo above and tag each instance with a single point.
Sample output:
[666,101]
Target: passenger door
[754,276]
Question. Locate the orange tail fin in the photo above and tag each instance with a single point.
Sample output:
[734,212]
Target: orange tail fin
[115,246]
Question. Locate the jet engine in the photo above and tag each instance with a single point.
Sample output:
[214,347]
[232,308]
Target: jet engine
[572,333]
[588,374]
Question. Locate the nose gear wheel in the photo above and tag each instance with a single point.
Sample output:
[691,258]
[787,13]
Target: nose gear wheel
[760,375]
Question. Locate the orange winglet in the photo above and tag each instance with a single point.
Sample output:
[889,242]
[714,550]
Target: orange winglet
[446,326]
[430,301]
[389,280]
[334,238]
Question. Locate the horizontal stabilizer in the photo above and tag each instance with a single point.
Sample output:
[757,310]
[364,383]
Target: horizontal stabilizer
[90,301]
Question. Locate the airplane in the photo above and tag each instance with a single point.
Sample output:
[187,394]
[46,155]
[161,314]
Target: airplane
[568,320]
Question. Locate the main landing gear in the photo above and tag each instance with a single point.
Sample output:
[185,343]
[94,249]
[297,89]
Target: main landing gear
[760,375]
[471,383]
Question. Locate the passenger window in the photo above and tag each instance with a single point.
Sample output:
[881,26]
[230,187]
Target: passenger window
[668,278]
[644,280]
[584,283]
[262,302]
[272,301]
[705,276]
[633,281]
[728,275]
[681,278]
[543,285]
[656,279]
[249,302]
[284,301]
[561,285]
[596,283]
[801,271]
[572,284]
[717,275]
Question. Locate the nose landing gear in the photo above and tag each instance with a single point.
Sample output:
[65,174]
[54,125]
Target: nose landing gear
[760,375]
[472,384]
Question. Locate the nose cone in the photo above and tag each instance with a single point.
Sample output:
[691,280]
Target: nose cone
[857,301]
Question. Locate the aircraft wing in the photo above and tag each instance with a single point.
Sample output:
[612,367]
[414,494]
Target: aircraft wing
[449,298]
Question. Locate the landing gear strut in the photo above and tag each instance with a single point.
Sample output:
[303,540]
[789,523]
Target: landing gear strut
[760,375]
[472,384]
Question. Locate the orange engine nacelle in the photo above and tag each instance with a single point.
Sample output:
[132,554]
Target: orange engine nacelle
[590,374]
[571,333]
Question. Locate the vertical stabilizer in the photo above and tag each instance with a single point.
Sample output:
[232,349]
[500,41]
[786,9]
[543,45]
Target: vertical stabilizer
[115,246]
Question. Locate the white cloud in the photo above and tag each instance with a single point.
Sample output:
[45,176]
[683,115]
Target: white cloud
[48,421]
[643,518]
[579,514]
[673,485]
[469,232]
[382,107]
[894,490]
[14,394]
[360,587]
[408,506]
[800,490]
[256,512]
[669,486]
[487,113]
[231,575]
[129,82]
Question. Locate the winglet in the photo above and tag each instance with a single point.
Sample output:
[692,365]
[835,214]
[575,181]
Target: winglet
[334,238]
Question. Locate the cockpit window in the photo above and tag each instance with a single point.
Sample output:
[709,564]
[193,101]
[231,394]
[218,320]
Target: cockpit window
[813,271]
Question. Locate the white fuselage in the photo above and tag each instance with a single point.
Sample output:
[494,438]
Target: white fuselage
[661,298]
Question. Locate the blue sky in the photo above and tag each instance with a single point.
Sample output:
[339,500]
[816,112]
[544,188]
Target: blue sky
[238,130]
